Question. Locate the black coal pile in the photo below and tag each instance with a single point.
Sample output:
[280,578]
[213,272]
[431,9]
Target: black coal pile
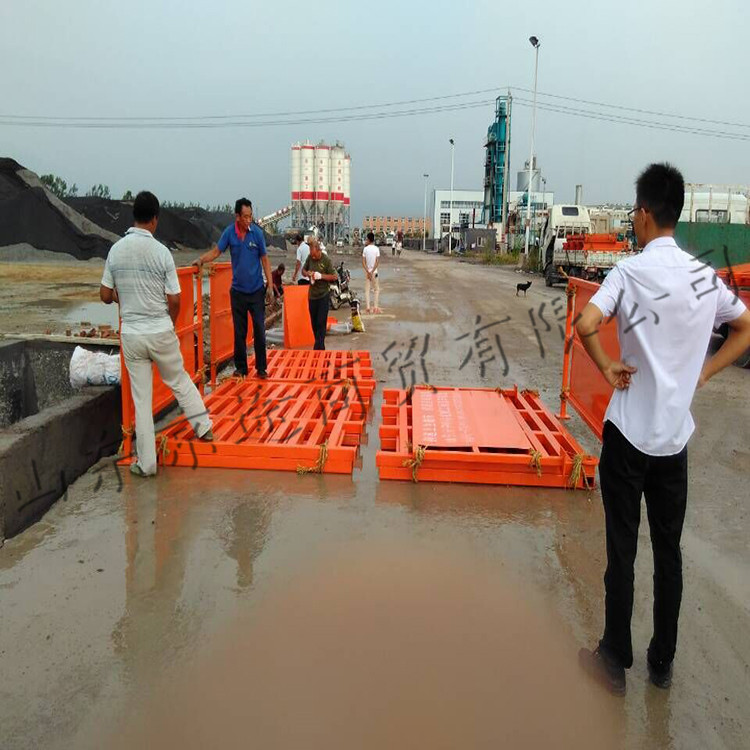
[30,214]
[176,226]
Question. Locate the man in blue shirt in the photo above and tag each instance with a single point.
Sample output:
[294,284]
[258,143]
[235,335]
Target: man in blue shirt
[247,249]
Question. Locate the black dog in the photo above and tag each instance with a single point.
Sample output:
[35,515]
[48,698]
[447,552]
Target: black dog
[522,288]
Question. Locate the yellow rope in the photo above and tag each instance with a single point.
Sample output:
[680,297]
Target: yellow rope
[536,462]
[416,462]
[530,392]
[126,433]
[210,269]
[317,467]
[564,394]
[577,472]
[203,375]
[163,446]
[571,291]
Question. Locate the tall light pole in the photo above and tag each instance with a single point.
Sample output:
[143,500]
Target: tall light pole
[450,209]
[535,44]
[424,215]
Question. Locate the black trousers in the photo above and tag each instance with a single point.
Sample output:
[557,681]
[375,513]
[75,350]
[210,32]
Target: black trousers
[625,474]
[319,318]
[255,305]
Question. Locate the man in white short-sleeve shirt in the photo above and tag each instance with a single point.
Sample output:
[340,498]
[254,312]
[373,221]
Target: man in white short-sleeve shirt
[140,274]
[303,250]
[370,263]
[665,303]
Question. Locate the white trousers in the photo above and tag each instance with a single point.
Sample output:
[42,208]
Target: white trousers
[163,349]
[376,288]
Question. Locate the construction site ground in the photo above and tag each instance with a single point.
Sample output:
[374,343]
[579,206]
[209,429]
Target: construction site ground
[226,608]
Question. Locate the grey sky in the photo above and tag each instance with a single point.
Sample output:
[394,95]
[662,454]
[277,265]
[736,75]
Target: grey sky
[170,58]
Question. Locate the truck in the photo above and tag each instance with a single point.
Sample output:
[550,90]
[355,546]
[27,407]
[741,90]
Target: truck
[569,249]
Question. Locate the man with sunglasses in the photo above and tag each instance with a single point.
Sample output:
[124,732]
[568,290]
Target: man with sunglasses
[666,304]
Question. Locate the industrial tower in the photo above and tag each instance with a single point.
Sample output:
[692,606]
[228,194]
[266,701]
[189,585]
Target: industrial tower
[497,165]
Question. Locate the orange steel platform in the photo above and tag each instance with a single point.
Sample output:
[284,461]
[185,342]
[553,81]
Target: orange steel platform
[257,424]
[330,366]
[478,436]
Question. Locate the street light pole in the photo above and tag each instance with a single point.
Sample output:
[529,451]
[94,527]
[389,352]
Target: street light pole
[424,216]
[535,44]
[450,209]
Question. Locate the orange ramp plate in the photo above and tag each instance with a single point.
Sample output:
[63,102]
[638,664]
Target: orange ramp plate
[464,419]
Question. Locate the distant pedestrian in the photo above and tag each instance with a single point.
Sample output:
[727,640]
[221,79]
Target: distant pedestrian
[277,278]
[319,269]
[303,250]
[140,275]
[370,263]
[666,303]
[249,292]
[399,241]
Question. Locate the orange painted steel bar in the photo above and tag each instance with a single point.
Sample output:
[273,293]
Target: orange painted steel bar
[220,326]
[552,457]
[273,425]
[189,331]
[298,330]
[583,385]
[330,366]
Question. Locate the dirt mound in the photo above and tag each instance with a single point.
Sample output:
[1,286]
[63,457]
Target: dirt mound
[30,214]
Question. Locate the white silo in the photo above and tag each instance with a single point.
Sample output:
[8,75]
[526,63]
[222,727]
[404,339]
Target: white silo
[347,189]
[338,156]
[322,182]
[307,185]
[295,182]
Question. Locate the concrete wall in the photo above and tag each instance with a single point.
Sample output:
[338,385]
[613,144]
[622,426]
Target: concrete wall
[43,454]
[50,433]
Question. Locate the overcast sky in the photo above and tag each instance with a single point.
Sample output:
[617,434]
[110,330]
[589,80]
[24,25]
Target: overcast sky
[178,58]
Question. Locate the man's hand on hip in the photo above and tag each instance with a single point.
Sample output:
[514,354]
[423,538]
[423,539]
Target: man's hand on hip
[618,374]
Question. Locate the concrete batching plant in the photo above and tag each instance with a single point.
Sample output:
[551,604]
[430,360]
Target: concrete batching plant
[320,178]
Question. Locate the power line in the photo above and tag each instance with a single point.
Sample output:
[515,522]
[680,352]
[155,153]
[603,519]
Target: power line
[602,116]
[187,118]
[634,109]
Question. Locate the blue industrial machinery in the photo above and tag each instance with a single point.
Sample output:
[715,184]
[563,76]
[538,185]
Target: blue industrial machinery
[497,164]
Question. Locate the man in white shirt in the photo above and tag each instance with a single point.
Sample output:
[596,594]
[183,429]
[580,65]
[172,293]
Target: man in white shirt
[370,263]
[140,274]
[666,304]
[303,250]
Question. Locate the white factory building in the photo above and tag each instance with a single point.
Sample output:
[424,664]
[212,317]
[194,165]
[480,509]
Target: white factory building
[467,209]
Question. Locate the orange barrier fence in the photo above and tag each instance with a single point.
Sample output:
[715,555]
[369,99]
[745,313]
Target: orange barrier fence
[189,330]
[221,329]
[298,330]
[308,428]
[478,436]
[583,385]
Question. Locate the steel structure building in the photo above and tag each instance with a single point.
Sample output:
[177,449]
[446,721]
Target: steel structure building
[320,181]
[497,164]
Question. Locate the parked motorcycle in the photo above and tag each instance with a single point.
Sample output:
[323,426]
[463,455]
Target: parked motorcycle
[340,293]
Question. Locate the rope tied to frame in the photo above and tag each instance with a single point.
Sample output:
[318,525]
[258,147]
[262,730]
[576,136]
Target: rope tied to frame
[203,375]
[317,467]
[564,394]
[210,269]
[530,392]
[416,462]
[536,461]
[571,291]
[162,447]
[577,473]
[127,432]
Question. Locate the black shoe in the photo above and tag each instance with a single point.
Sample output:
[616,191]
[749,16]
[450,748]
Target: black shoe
[237,375]
[603,670]
[660,676]
[262,375]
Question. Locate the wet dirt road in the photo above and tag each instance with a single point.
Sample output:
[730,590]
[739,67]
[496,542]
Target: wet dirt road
[254,609]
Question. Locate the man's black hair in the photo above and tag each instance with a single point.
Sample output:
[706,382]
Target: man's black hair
[145,207]
[298,238]
[371,236]
[281,267]
[239,203]
[660,189]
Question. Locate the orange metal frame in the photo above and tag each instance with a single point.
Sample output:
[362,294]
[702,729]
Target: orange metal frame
[298,330]
[189,330]
[274,425]
[553,459]
[582,384]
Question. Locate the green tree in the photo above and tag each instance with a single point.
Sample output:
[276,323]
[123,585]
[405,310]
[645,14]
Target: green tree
[55,184]
[128,196]
[99,191]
